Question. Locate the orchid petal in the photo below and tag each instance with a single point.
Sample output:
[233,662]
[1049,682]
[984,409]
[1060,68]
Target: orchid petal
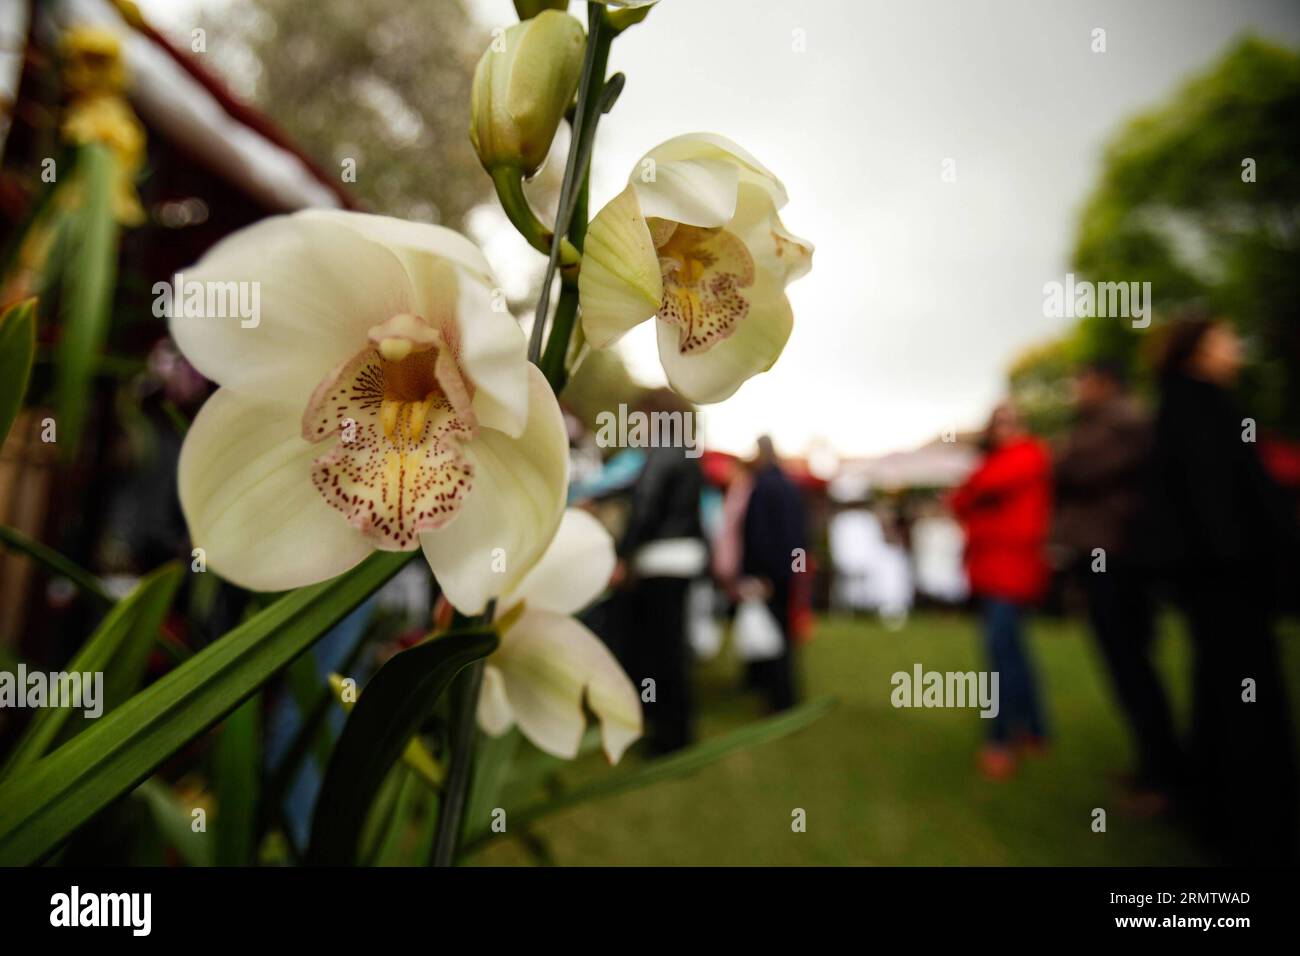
[549,663]
[711,146]
[512,510]
[696,192]
[619,286]
[573,571]
[247,495]
[319,286]
[753,347]
[494,713]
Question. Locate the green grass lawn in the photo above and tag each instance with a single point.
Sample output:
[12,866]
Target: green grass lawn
[886,786]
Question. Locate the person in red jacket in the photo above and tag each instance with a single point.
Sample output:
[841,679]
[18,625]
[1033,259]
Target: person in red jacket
[1005,509]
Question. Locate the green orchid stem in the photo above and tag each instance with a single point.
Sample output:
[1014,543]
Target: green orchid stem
[553,363]
[591,88]
[464,706]
[509,184]
[464,730]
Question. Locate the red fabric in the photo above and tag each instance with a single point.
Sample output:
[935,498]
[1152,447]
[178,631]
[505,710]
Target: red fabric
[801,609]
[1005,508]
[1282,461]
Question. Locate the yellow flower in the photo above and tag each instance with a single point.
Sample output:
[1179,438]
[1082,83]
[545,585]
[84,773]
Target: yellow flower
[94,77]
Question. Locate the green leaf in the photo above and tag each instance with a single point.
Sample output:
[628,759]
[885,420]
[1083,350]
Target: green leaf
[667,768]
[305,684]
[493,758]
[174,822]
[395,703]
[408,839]
[17,349]
[384,816]
[381,629]
[416,756]
[87,296]
[235,770]
[43,805]
[118,649]
[55,562]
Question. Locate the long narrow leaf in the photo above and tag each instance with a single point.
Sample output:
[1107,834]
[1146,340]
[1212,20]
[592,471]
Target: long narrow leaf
[118,649]
[17,349]
[235,769]
[175,823]
[407,841]
[45,803]
[416,755]
[87,296]
[492,763]
[55,562]
[395,703]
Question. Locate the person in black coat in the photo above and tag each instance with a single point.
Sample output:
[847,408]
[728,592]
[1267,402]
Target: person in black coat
[1100,495]
[775,526]
[661,551]
[1223,533]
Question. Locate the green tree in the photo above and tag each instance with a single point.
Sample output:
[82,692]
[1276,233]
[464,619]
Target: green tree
[1200,196]
[385,83]
[1039,380]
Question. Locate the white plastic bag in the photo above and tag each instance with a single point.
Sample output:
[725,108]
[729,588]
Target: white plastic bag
[701,626]
[758,634]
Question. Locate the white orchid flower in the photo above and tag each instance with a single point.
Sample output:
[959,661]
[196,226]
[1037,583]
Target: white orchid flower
[548,662]
[378,401]
[695,240]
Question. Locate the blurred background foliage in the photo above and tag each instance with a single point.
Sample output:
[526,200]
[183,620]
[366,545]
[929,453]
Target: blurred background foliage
[373,83]
[370,82]
[1173,207]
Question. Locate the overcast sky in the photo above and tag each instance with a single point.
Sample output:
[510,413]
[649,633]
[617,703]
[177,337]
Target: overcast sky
[921,290]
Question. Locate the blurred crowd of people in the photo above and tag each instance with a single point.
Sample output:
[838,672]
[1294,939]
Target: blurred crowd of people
[1171,508]
[692,553]
[1137,509]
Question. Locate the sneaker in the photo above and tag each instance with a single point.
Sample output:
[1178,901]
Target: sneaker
[996,762]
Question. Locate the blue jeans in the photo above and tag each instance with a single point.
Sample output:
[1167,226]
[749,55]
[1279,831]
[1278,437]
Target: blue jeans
[1019,710]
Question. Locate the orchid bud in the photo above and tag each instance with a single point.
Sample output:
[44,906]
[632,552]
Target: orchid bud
[523,85]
